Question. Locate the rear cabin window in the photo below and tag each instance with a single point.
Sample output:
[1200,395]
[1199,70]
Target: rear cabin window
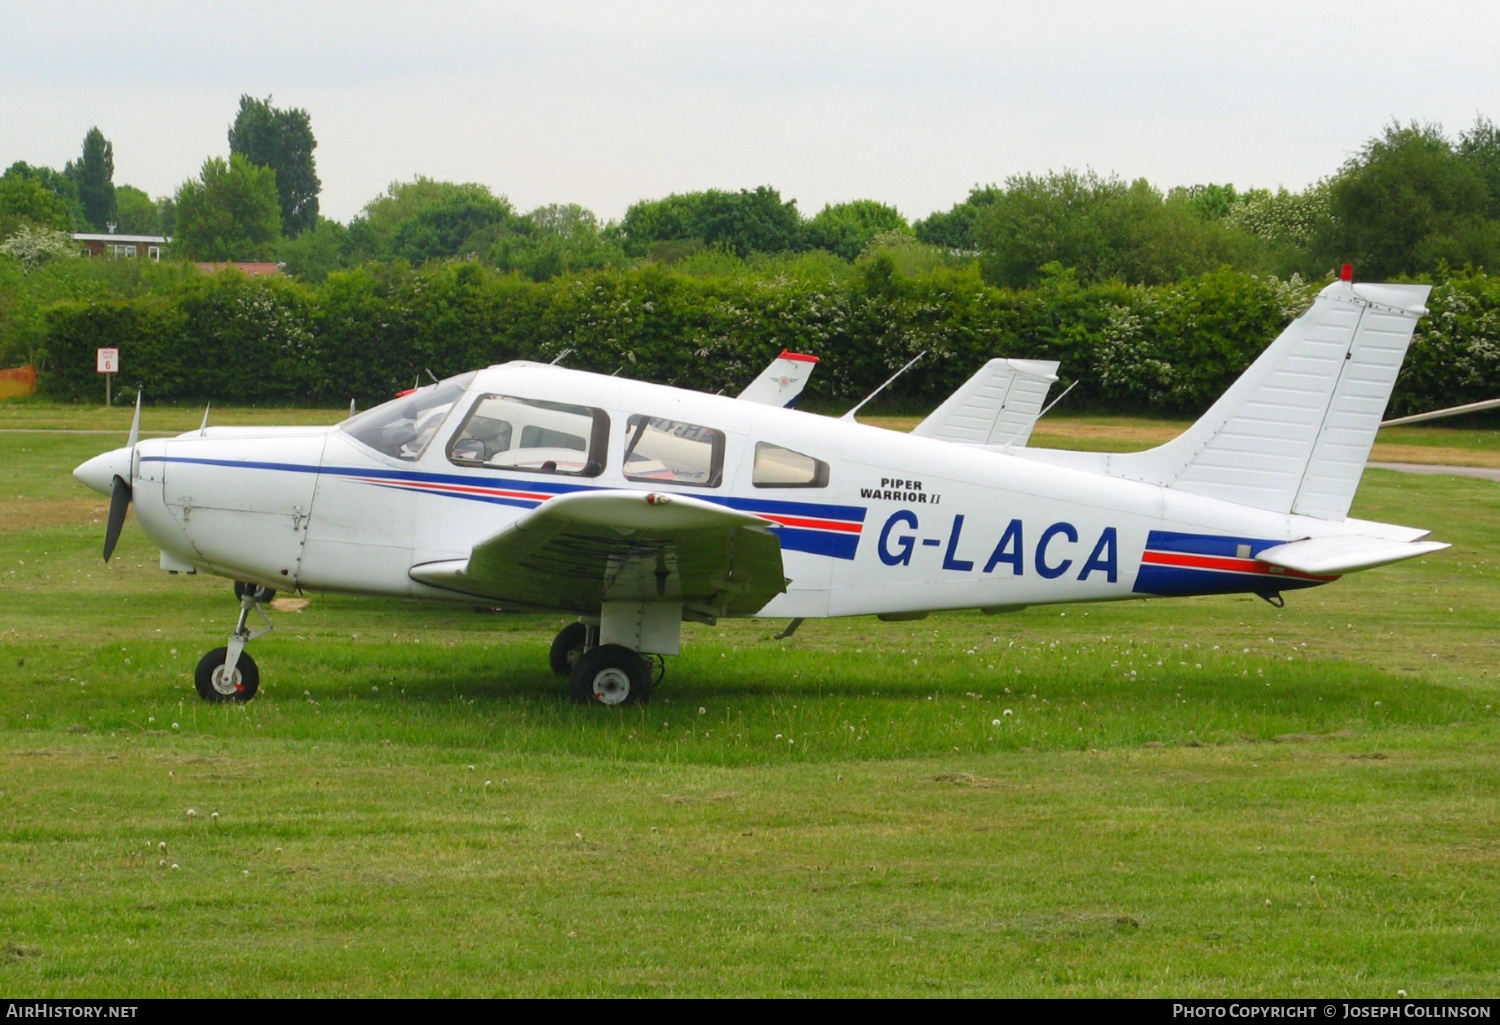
[777,467]
[672,452]
[509,433]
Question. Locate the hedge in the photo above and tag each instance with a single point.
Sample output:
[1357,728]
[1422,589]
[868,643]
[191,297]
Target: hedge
[364,333]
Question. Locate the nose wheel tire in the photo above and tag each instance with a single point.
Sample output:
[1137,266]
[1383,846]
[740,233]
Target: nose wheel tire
[567,648]
[215,686]
[610,674]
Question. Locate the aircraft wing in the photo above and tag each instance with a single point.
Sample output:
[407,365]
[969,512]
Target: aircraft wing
[578,550]
[996,407]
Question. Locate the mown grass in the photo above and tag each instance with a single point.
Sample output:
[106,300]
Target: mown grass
[1207,796]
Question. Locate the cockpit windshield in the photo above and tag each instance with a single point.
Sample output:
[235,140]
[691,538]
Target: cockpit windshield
[404,426]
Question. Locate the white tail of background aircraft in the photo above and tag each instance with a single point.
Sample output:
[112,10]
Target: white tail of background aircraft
[781,383]
[998,406]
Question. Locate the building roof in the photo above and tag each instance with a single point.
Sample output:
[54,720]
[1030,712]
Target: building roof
[252,270]
[153,240]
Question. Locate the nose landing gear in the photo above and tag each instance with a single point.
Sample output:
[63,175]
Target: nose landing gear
[229,673]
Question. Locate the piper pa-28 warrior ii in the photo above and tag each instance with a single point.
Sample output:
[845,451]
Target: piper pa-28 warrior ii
[637,506]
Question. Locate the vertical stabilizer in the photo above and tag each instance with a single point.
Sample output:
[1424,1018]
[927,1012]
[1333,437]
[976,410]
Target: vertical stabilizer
[781,383]
[999,405]
[1293,433]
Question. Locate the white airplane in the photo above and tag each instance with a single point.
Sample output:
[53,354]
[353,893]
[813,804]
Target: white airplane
[637,507]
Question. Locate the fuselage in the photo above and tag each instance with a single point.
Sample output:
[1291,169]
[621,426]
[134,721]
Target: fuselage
[869,520]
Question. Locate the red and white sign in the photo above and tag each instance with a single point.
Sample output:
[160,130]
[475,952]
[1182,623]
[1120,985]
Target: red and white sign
[109,361]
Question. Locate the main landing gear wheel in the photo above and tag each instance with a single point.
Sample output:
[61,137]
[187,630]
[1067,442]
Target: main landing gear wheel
[610,674]
[568,647]
[215,686]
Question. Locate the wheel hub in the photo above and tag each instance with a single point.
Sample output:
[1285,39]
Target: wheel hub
[611,686]
[225,684]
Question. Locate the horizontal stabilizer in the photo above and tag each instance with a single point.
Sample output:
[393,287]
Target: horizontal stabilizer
[999,405]
[1350,553]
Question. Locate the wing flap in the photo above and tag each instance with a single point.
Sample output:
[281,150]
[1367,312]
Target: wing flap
[1350,553]
[576,551]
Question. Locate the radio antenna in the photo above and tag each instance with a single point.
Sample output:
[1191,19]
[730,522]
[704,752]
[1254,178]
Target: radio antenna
[850,415]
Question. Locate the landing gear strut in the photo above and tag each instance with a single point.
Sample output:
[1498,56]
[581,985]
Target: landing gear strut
[569,645]
[229,673]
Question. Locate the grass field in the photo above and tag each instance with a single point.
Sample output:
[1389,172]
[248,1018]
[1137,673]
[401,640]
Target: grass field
[1201,797]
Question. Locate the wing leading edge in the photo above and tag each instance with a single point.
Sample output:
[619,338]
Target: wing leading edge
[577,551]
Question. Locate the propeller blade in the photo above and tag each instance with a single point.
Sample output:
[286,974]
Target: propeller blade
[135,423]
[203,430]
[119,501]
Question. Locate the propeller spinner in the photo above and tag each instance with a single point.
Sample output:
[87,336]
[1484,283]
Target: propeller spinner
[111,474]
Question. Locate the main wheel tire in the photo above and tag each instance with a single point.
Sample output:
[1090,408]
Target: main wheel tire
[567,648]
[258,592]
[214,687]
[610,674]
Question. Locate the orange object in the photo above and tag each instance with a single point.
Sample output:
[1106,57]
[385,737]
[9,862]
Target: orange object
[20,381]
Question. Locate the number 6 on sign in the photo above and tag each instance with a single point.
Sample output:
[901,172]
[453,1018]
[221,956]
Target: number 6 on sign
[109,364]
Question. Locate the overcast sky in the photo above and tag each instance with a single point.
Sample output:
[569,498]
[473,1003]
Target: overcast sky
[606,103]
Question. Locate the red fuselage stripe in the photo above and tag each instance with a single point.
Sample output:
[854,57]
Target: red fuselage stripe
[1223,564]
[798,521]
[461,489]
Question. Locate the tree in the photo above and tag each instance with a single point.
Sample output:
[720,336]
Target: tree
[313,254]
[94,175]
[954,230]
[1408,203]
[742,222]
[55,182]
[1479,147]
[32,247]
[230,212]
[26,202]
[562,238]
[1102,228]
[1211,202]
[463,224]
[137,213]
[282,140]
[846,228]
[373,230]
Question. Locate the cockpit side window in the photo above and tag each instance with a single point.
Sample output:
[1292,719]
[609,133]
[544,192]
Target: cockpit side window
[530,434]
[404,427]
[777,467]
[672,452]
